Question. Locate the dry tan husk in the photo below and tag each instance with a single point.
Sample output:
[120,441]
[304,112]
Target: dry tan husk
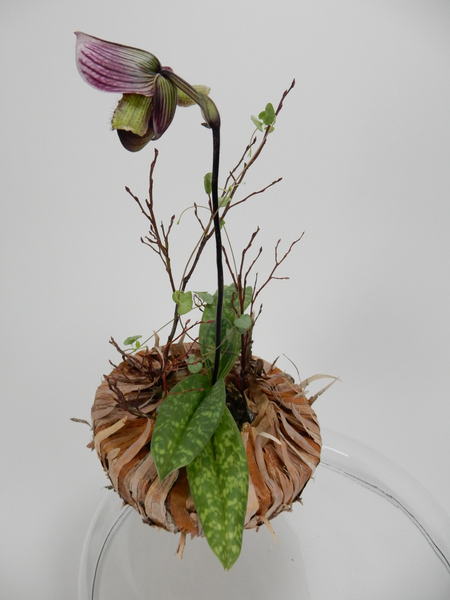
[282,441]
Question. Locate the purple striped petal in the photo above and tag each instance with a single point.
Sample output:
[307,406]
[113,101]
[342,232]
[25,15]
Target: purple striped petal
[164,105]
[115,68]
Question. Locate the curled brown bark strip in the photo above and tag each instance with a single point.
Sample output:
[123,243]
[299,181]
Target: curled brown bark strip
[281,438]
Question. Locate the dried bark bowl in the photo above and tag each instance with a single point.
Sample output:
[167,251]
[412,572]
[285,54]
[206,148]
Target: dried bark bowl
[279,429]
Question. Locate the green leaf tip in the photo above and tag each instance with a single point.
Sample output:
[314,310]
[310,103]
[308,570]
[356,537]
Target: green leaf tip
[218,479]
[130,340]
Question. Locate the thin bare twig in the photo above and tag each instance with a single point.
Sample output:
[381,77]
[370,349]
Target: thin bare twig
[230,269]
[241,160]
[277,264]
[255,193]
[153,239]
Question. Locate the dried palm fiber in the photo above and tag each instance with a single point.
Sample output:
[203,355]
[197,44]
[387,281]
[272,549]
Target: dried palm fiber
[278,427]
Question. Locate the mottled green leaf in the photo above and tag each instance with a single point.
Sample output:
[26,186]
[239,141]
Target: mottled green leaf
[205,297]
[231,337]
[230,303]
[218,479]
[231,345]
[186,421]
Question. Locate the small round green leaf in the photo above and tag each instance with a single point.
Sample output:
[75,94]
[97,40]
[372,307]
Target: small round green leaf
[194,364]
[269,114]
[207,182]
[244,323]
[130,340]
[258,124]
[183,301]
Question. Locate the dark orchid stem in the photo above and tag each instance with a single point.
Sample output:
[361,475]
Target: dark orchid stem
[218,237]
[212,118]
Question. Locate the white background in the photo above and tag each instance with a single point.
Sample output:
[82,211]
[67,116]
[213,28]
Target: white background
[363,147]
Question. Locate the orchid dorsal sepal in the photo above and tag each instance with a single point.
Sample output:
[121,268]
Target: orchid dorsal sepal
[112,67]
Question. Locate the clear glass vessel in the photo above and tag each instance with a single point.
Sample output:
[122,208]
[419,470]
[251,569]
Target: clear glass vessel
[366,530]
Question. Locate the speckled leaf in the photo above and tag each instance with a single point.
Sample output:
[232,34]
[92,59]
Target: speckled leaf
[230,302]
[231,337]
[186,421]
[231,345]
[205,297]
[218,479]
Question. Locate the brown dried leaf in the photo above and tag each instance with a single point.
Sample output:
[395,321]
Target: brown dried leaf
[105,433]
[116,465]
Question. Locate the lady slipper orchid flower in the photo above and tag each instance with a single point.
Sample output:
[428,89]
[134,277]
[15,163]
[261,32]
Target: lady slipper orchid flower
[150,91]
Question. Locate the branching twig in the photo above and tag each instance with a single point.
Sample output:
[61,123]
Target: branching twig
[158,236]
[230,268]
[153,239]
[241,160]
[277,264]
[238,180]
[255,193]
[122,401]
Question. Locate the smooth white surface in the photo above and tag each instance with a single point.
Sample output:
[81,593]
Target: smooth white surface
[363,146]
[382,535]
